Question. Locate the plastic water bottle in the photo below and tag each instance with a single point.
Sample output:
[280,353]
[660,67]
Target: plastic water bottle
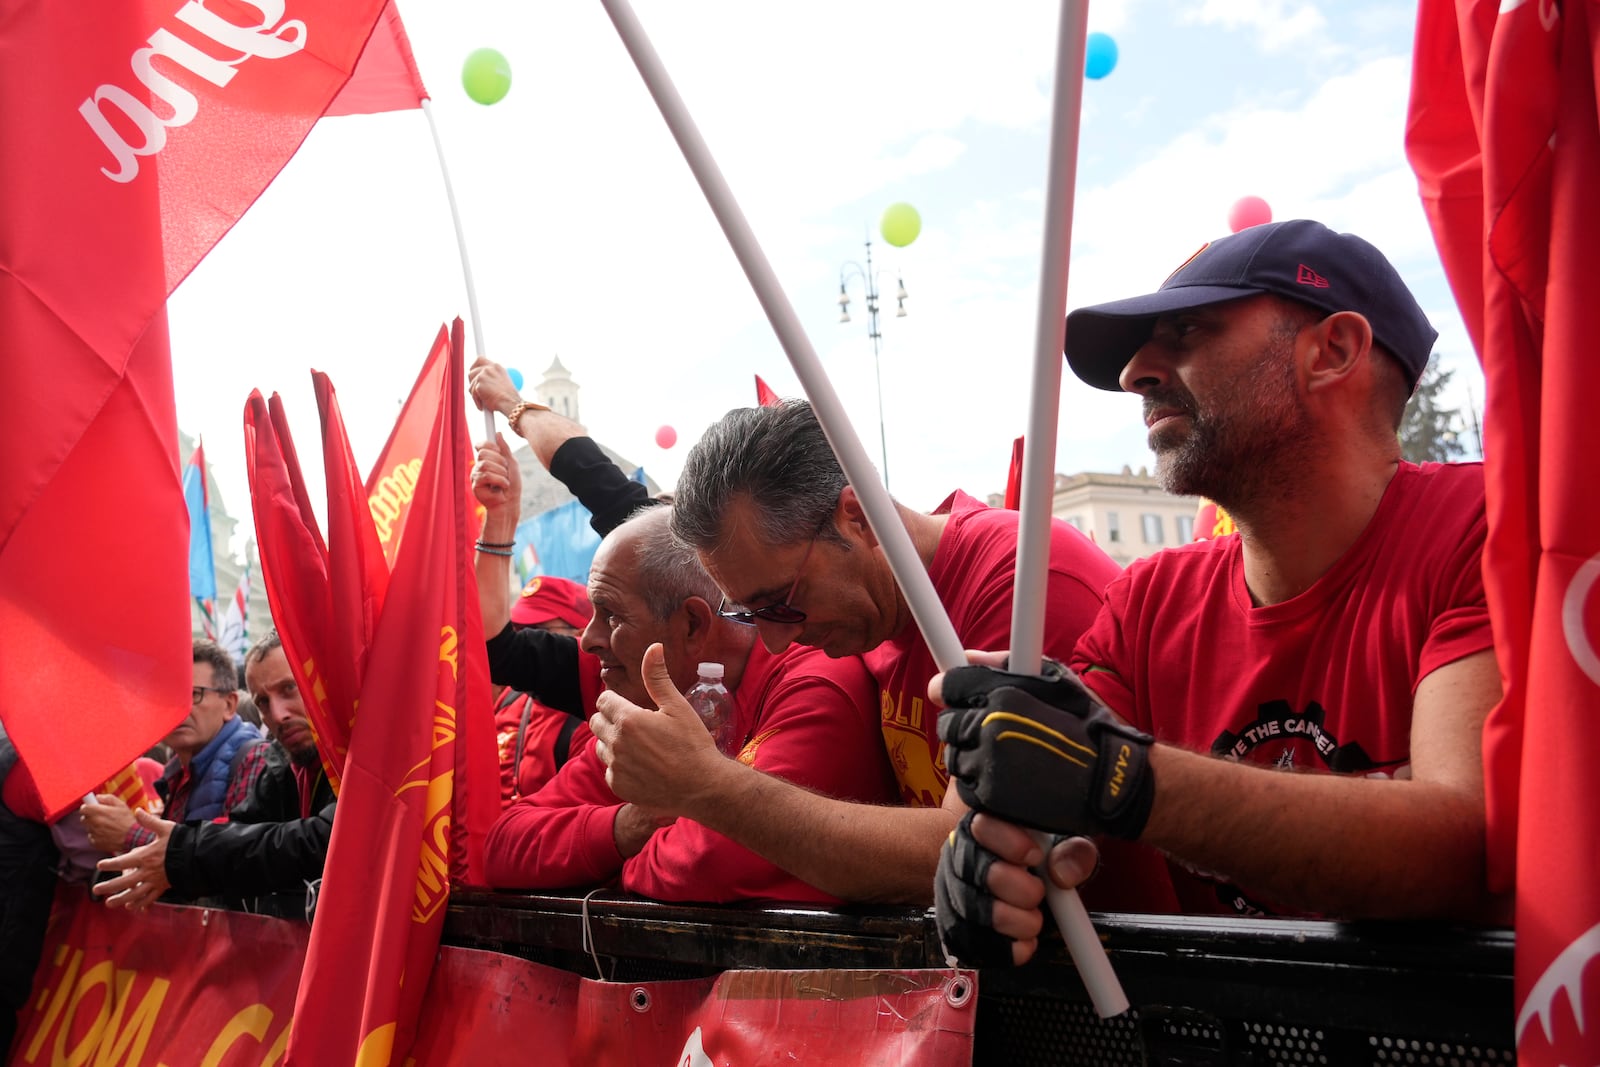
[714,704]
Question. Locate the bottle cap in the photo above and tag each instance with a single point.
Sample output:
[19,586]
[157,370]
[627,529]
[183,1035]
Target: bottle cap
[712,671]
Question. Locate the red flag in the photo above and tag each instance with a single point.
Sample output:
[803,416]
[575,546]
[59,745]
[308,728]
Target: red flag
[1013,499]
[408,826]
[129,786]
[294,570]
[386,78]
[1211,520]
[358,575]
[393,479]
[1505,139]
[764,394]
[136,134]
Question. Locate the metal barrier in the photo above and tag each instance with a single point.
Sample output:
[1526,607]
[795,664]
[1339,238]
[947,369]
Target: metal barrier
[1205,991]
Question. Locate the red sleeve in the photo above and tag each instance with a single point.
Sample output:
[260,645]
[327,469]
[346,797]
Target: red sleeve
[1102,658]
[1460,625]
[818,728]
[1075,591]
[561,836]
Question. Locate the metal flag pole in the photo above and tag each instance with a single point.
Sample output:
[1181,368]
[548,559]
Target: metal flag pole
[1039,454]
[875,501]
[466,264]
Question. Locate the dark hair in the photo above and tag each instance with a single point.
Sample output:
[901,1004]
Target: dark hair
[666,572]
[259,650]
[224,675]
[776,456]
[1394,387]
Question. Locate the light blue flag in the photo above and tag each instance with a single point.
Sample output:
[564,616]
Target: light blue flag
[563,540]
[202,565]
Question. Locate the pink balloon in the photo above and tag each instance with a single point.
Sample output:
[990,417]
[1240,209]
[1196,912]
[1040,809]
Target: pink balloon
[1248,211]
[666,437]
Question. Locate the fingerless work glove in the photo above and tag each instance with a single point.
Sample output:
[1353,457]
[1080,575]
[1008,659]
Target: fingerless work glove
[1041,751]
[963,905]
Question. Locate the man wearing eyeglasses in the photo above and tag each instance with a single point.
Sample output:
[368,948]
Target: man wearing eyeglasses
[798,716]
[764,502]
[276,839]
[208,774]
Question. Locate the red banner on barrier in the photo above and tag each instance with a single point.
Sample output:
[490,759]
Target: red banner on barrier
[181,987]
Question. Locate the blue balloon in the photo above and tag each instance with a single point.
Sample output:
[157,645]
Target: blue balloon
[516,378]
[1099,56]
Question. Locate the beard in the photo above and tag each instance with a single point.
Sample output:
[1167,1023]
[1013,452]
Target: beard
[306,758]
[1244,445]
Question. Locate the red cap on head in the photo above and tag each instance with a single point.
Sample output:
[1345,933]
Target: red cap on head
[549,599]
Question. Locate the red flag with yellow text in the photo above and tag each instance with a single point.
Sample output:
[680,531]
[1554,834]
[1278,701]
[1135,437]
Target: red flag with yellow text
[393,478]
[408,826]
[136,134]
[1211,520]
[1504,134]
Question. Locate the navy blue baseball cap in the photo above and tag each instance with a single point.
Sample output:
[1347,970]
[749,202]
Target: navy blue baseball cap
[1298,259]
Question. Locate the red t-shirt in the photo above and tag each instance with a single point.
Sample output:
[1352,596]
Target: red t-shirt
[1323,682]
[804,718]
[543,752]
[973,571]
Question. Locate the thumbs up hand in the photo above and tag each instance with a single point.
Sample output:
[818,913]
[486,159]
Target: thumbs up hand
[658,759]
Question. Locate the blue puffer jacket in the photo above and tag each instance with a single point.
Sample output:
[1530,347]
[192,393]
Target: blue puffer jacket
[212,766]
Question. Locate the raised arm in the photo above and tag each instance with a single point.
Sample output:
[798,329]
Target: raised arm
[497,484]
[563,448]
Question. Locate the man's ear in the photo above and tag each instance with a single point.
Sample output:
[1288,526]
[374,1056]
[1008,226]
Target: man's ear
[699,617]
[851,518]
[232,700]
[1334,349]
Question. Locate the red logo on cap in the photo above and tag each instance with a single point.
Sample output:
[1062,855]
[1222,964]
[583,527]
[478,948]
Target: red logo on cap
[1192,257]
[1307,276]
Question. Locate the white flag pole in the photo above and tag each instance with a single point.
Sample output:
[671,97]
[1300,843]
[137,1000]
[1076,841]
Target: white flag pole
[1039,453]
[466,264]
[875,502]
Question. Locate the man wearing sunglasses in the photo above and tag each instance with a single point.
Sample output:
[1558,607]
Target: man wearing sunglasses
[765,504]
[207,774]
[798,716]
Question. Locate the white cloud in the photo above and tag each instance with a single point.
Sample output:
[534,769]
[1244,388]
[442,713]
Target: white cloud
[1279,23]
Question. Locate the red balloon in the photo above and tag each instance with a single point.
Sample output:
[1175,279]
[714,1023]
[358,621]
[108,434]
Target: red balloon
[666,437]
[1248,211]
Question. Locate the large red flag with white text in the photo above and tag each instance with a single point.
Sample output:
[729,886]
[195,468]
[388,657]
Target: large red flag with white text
[386,78]
[407,828]
[1505,140]
[136,134]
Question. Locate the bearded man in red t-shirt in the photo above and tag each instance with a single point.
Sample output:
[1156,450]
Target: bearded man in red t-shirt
[1295,709]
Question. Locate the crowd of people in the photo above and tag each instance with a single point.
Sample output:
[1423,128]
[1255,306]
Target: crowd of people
[1284,721]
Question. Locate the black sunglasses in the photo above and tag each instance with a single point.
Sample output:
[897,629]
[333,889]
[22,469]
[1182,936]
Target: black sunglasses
[783,613]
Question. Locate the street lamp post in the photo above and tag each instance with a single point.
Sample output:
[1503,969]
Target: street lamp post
[849,272]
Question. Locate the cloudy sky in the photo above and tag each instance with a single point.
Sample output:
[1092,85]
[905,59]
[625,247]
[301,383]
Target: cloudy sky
[590,240]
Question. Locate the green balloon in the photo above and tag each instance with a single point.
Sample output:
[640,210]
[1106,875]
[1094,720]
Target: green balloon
[486,76]
[900,224]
